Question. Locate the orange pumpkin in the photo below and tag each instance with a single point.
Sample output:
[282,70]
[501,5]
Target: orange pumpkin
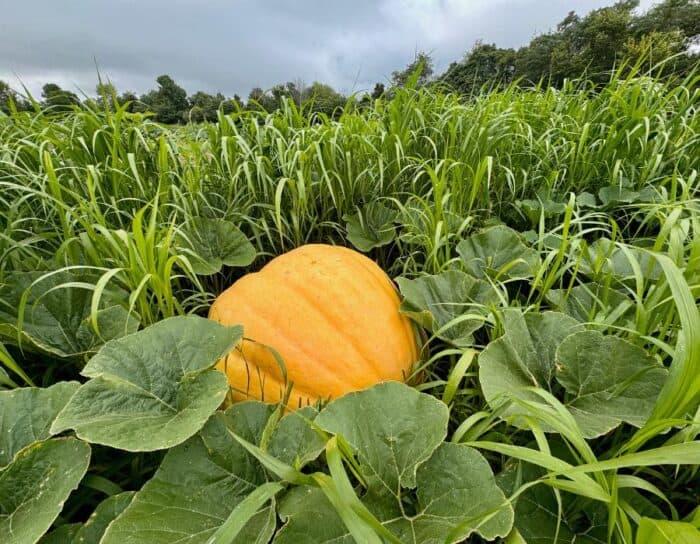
[331,314]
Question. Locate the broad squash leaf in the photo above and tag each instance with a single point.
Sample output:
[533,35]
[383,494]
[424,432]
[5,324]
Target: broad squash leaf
[524,356]
[455,490]
[615,195]
[199,483]
[389,447]
[372,226]
[153,389]
[34,486]
[537,516]
[310,517]
[209,244]
[56,319]
[608,381]
[64,534]
[603,258]
[498,252]
[591,302]
[435,301]
[586,200]
[294,441]
[93,529]
[544,205]
[26,415]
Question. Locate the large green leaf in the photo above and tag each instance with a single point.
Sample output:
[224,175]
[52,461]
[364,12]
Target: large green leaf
[604,258]
[63,534]
[544,205]
[591,302]
[524,356]
[498,252]
[435,301]
[616,195]
[537,515]
[390,448]
[56,319]
[372,226]
[209,244]
[455,495]
[26,416]
[104,514]
[609,380]
[35,485]
[656,531]
[198,484]
[455,490]
[153,389]
[294,441]
[310,517]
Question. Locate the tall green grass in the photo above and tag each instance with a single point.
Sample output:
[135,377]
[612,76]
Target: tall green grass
[108,191]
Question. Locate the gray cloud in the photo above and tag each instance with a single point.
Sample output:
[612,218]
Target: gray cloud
[232,46]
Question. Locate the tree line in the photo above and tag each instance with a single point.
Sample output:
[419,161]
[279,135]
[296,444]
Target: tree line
[590,46]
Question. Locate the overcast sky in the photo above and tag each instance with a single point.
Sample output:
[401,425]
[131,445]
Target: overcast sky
[233,45]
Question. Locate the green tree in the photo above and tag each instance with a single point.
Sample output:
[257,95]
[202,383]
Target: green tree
[533,62]
[324,99]
[169,102]
[7,95]
[595,43]
[378,91]
[58,99]
[257,98]
[203,107]
[485,64]
[423,64]
[670,16]
[654,47]
[134,104]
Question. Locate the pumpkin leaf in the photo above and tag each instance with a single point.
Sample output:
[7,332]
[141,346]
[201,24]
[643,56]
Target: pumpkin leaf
[310,517]
[93,529]
[657,531]
[603,258]
[389,449]
[372,226]
[544,205]
[408,453]
[586,200]
[64,534]
[198,485]
[35,485]
[209,244]
[537,516]
[524,356]
[31,412]
[153,389]
[55,318]
[436,301]
[616,195]
[609,381]
[294,441]
[498,252]
[591,302]
[456,491]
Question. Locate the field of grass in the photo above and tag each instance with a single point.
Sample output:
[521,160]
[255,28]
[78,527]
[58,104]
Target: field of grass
[547,242]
